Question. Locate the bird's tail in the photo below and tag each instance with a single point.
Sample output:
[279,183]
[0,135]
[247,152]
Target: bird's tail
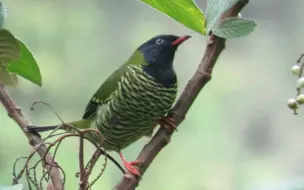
[80,124]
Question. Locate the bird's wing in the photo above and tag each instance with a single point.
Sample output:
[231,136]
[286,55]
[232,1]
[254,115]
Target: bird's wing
[110,85]
[103,92]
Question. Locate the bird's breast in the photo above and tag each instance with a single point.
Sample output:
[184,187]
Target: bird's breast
[133,108]
[143,96]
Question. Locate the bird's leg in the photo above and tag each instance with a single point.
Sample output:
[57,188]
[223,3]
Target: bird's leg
[168,122]
[130,165]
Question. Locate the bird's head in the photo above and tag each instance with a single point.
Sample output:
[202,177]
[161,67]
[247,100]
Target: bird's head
[159,51]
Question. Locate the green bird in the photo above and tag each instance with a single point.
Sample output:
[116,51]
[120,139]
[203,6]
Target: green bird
[134,99]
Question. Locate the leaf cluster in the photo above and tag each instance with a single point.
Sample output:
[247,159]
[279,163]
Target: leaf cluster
[17,59]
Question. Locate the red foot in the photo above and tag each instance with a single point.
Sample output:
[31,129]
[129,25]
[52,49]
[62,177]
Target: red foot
[168,121]
[130,165]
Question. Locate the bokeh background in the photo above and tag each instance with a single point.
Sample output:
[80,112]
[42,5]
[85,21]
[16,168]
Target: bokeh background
[238,135]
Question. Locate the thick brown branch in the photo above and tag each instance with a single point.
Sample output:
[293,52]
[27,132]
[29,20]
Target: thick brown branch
[16,114]
[202,76]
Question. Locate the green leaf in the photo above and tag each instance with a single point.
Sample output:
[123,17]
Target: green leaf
[16,58]
[3,13]
[26,66]
[234,27]
[185,12]
[13,187]
[215,8]
[8,79]
[9,50]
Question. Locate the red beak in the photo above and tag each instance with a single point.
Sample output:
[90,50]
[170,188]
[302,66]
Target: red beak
[180,40]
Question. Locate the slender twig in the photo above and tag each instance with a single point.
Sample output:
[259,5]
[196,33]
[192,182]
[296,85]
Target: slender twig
[202,76]
[301,73]
[43,157]
[49,106]
[299,89]
[15,179]
[45,173]
[301,56]
[16,114]
[100,173]
[86,171]
[82,182]
[90,165]
[103,152]
[51,164]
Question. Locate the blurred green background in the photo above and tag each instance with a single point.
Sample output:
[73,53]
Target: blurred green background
[239,134]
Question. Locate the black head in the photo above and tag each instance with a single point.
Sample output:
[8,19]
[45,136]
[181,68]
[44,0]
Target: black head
[159,54]
[159,51]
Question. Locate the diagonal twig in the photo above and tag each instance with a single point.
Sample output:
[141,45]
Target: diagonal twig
[16,114]
[202,76]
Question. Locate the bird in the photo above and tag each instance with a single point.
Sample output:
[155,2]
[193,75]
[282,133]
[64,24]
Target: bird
[134,99]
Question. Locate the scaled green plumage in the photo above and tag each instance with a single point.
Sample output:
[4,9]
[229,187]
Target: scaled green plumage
[110,84]
[127,105]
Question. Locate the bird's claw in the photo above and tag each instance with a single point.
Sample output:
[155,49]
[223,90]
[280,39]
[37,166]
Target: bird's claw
[130,165]
[131,169]
[168,122]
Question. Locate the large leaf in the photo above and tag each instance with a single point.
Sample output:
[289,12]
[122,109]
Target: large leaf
[185,12]
[234,27]
[8,79]
[215,8]
[26,66]
[9,51]
[9,48]
[13,187]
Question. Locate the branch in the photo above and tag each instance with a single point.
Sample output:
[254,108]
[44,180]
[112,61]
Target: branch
[86,171]
[202,76]
[16,114]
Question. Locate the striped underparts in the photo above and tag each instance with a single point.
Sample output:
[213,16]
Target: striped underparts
[133,109]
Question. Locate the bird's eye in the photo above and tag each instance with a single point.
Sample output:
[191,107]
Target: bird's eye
[159,41]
